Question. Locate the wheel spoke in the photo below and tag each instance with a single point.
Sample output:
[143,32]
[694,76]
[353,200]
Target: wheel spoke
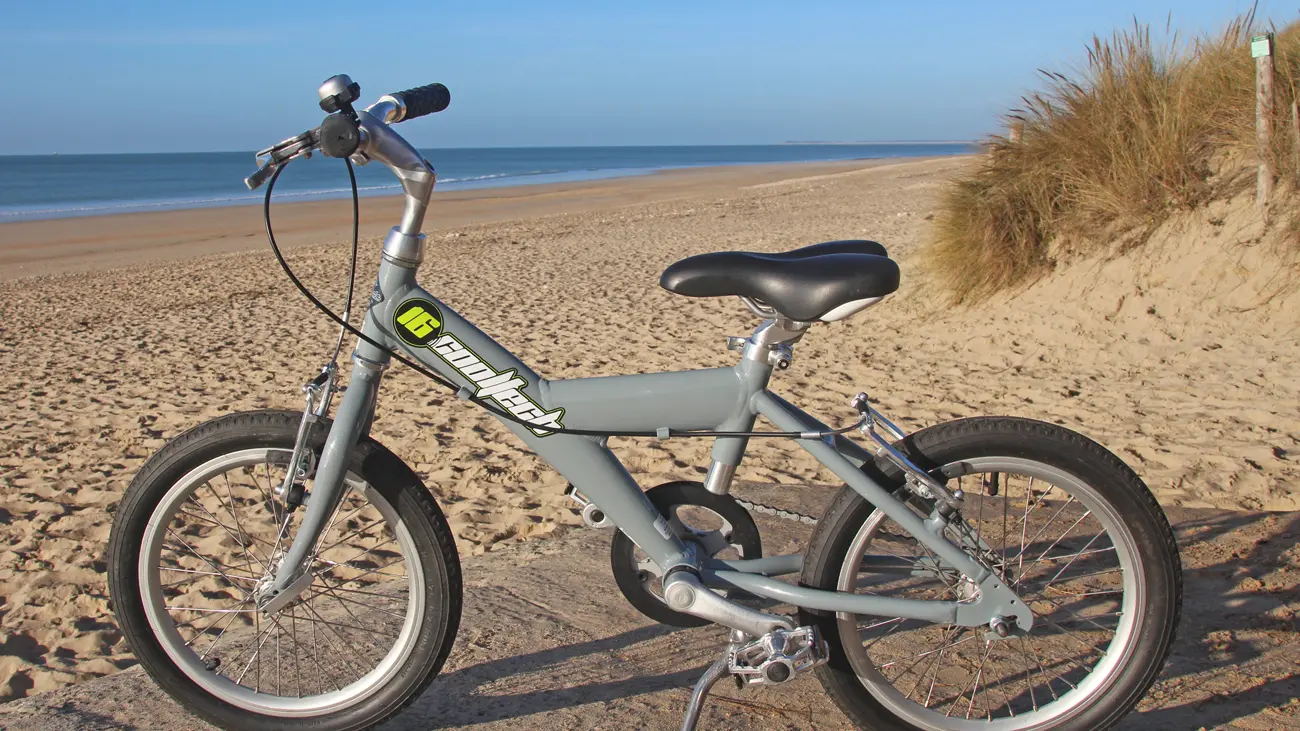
[1020,557]
[260,639]
[376,570]
[331,626]
[242,542]
[928,653]
[297,655]
[194,575]
[887,633]
[271,501]
[930,665]
[330,526]
[230,506]
[331,591]
[881,623]
[1071,563]
[1093,552]
[229,620]
[205,559]
[358,531]
[929,695]
[345,602]
[1024,530]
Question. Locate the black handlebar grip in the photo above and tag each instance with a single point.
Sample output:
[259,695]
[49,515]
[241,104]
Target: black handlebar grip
[424,100]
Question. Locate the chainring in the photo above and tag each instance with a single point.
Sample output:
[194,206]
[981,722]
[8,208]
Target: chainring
[639,579]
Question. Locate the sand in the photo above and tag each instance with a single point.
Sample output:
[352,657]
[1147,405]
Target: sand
[1172,358]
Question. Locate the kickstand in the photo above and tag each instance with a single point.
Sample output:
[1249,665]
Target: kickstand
[717,671]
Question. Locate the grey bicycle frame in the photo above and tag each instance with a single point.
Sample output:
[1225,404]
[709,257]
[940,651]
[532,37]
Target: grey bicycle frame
[724,399]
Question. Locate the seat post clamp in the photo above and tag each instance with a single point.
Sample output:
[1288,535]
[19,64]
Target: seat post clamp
[780,357]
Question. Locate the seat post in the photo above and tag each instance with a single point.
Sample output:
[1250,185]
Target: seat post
[773,342]
[769,347]
[718,478]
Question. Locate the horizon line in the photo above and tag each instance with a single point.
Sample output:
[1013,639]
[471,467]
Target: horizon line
[785,143]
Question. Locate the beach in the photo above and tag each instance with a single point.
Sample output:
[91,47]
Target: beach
[120,332]
[91,243]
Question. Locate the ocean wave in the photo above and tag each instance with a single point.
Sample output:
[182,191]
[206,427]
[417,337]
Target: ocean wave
[497,176]
[122,206]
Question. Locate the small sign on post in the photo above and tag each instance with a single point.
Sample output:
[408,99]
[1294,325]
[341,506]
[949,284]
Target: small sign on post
[1261,48]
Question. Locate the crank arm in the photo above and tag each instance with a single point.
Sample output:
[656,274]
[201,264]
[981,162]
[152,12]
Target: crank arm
[684,592]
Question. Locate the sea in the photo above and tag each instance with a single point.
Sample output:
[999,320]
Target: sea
[59,186]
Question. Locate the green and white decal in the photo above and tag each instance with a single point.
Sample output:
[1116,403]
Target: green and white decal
[419,323]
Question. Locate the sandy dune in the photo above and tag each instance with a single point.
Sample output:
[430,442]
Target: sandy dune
[1167,357]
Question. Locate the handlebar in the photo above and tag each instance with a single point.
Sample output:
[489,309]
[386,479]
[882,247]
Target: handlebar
[347,133]
[421,100]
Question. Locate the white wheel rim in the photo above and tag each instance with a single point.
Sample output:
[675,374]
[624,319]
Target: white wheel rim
[192,664]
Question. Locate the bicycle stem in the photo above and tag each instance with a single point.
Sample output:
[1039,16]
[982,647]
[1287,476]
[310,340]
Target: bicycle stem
[379,142]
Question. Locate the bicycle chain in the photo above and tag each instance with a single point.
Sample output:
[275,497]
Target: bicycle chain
[778,512]
[801,518]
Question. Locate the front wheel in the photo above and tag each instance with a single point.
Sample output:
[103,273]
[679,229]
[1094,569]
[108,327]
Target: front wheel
[200,529]
[1066,524]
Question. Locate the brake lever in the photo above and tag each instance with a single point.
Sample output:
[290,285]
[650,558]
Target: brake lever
[256,180]
[281,153]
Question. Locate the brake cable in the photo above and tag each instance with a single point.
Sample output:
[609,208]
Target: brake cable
[464,392]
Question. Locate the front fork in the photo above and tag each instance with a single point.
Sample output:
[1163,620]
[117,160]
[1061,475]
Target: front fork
[292,573]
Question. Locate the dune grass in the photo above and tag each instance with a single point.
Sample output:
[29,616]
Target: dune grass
[1107,154]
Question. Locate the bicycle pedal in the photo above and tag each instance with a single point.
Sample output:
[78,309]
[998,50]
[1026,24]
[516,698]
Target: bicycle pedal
[778,656]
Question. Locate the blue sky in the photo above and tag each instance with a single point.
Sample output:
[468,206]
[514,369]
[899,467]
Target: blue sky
[237,75]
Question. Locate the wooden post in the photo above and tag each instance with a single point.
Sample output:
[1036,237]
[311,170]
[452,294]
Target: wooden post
[1014,134]
[1261,47]
[1295,139]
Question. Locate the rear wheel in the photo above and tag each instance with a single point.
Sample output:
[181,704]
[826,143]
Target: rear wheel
[1075,533]
[200,529]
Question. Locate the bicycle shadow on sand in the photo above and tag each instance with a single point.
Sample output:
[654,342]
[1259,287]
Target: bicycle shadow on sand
[1241,593]
[553,679]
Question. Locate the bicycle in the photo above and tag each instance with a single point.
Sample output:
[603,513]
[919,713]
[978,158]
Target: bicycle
[284,570]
